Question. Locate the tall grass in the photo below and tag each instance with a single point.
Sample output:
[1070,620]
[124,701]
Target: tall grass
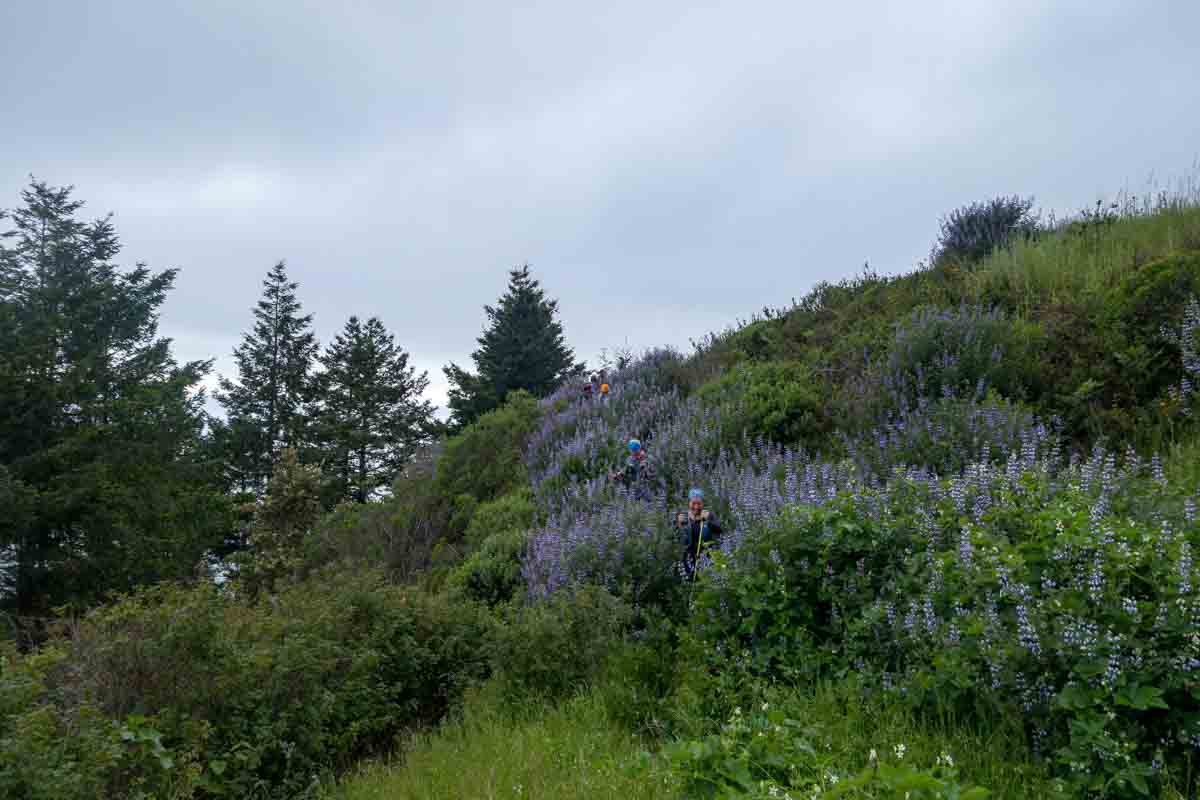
[1088,254]
[575,750]
[572,751]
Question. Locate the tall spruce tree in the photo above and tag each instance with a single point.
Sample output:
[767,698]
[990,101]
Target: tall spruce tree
[522,348]
[265,406]
[103,482]
[370,415]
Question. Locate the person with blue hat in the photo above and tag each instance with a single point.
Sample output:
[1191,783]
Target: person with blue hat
[698,530]
[636,470]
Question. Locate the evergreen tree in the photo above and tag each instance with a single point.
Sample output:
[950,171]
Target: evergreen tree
[522,348]
[371,417]
[103,481]
[265,406]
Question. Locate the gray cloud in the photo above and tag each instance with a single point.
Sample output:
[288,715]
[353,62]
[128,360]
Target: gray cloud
[664,167]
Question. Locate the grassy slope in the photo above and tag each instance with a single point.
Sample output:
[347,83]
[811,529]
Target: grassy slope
[572,751]
[575,750]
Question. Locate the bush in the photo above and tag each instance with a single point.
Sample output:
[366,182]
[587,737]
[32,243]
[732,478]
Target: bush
[512,512]
[783,402]
[960,352]
[554,648]
[259,698]
[47,753]
[492,574]
[1147,300]
[974,231]
[485,461]
[639,677]
[1001,594]
[398,533]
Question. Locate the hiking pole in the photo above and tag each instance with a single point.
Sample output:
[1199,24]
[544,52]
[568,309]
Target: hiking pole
[696,565]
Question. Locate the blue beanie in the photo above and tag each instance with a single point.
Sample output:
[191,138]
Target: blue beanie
[695,494]
[635,445]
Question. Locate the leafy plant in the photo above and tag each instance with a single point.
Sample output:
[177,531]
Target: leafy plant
[192,689]
[552,649]
[975,230]
[492,574]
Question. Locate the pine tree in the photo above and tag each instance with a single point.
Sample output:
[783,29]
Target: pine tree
[266,405]
[371,417]
[522,348]
[102,476]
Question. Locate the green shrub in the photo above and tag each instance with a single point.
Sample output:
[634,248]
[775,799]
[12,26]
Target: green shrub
[511,512]
[1065,608]
[964,351]
[259,698]
[398,533]
[784,402]
[51,753]
[639,678]
[974,231]
[1146,300]
[554,648]
[485,461]
[492,574]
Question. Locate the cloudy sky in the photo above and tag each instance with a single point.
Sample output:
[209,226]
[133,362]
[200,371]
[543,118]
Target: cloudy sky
[664,167]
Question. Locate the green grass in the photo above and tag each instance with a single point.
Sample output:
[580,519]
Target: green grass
[575,750]
[572,751]
[1059,268]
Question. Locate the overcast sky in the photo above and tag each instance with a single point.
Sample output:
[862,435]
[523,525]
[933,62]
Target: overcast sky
[664,167]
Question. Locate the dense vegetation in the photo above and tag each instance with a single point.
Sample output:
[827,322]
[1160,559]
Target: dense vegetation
[960,512]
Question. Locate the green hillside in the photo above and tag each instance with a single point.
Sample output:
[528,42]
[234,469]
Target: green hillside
[958,513]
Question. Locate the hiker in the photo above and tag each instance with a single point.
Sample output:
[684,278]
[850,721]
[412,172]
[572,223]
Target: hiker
[588,387]
[602,381]
[637,471]
[698,530]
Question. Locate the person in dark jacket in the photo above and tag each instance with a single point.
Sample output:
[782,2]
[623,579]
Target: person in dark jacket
[698,531]
[637,473]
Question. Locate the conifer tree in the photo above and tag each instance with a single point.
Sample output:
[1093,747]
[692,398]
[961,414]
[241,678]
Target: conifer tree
[103,483]
[522,348]
[265,406]
[370,415]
